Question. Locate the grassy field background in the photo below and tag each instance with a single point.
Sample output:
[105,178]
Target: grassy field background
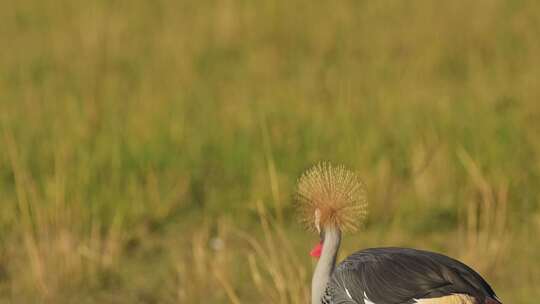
[150,149]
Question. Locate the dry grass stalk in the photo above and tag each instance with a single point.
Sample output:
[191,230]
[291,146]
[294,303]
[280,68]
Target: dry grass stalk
[207,267]
[271,169]
[193,270]
[484,230]
[58,253]
[276,271]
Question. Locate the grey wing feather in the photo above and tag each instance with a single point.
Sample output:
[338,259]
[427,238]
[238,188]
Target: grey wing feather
[401,275]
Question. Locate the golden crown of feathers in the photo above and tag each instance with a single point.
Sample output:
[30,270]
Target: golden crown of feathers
[331,195]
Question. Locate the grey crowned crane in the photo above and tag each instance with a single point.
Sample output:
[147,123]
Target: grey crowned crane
[331,200]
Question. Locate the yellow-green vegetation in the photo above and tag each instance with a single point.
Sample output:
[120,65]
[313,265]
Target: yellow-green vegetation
[149,150]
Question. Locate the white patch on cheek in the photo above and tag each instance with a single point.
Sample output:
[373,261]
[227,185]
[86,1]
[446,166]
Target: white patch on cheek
[318,220]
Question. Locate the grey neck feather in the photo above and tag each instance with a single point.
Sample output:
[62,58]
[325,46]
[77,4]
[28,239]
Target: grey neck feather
[326,264]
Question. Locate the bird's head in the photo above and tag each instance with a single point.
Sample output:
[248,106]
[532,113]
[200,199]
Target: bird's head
[330,197]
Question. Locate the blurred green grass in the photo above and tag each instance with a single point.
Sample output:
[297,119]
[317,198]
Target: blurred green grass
[131,128]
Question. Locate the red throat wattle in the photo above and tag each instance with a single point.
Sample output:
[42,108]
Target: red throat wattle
[317,250]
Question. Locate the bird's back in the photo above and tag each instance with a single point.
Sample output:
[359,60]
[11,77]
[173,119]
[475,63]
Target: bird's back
[403,275]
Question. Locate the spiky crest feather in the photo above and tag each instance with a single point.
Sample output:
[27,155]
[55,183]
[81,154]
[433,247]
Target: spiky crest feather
[336,192]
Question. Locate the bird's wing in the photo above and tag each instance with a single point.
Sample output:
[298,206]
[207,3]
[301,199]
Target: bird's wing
[402,275]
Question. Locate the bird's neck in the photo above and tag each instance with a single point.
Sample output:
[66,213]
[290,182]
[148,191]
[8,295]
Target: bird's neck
[325,266]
